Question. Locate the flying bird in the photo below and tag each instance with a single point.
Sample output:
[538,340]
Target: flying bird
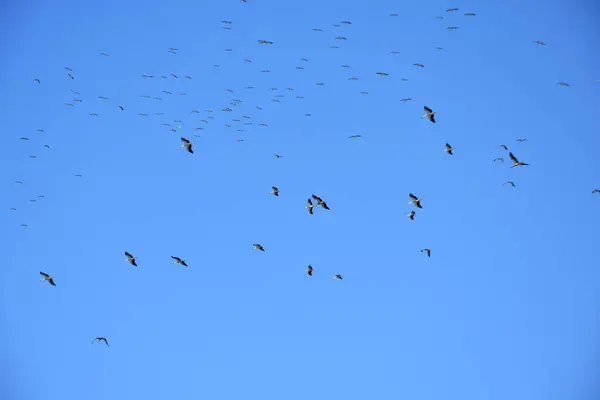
[449,149]
[309,206]
[258,247]
[37,80]
[419,65]
[415,200]
[452,28]
[452,9]
[563,84]
[504,147]
[499,159]
[275,191]
[130,259]
[426,250]
[382,73]
[521,140]
[509,183]
[406,99]
[429,114]
[470,14]
[320,202]
[539,42]
[338,276]
[411,215]
[516,163]
[100,339]
[177,260]
[309,270]
[595,191]
[187,144]
[354,137]
[46,277]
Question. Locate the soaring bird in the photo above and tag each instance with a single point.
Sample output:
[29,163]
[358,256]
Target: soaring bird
[499,159]
[415,200]
[258,247]
[406,99]
[100,339]
[452,9]
[275,191]
[37,80]
[121,107]
[449,149]
[130,259]
[382,73]
[264,41]
[521,140]
[470,14]
[509,183]
[426,250]
[309,270]
[354,137]
[516,163]
[187,144]
[419,65]
[105,54]
[346,22]
[504,147]
[24,138]
[338,276]
[278,156]
[411,215]
[452,28]
[48,278]
[539,42]
[309,206]
[177,260]
[19,182]
[320,202]
[563,84]
[70,76]
[595,191]
[429,114]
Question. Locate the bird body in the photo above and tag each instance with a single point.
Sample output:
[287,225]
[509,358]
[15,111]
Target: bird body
[516,163]
[46,277]
[426,250]
[177,260]
[429,114]
[449,149]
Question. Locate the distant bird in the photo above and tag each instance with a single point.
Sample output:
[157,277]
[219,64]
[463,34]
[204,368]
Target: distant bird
[177,260]
[24,138]
[452,28]
[499,159]
[37,80]
[25,226]
[103,97]
[130,259]
[452,9]
[394,52]
[429,114]
[278,156]
[309,270]
[509,183]
[382,73]
[419,65]
[504,147]
[46,277]
[439,48]
[309,206]
[341,38]
[393,15]
[122,109]
[93,115]
[470,14]
[595,191]
[19,182]
[426,250]
[275,191]
[187,144]
[521,140]
[415,200]
[406,99]
[264,41]
[338,276]
[100,339]
[346,22]
[78,175]
[14,209]
[33,157]
[539,42]
[258,247]
[449,149]
[516,163]
[320,202]
[354,137]
[70,76]
[563,84]
[105,54]
[69,104]
[411,215]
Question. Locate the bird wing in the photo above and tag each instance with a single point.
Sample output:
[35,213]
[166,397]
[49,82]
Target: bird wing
[128,255]
[317,198]
[512,157]
[184,140]
[413,197]
[45,275]
[176,258]
[427,110]
[448,146]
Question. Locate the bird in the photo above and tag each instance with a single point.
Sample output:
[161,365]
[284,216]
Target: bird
[415,200]
[177,260]
[595,191]
[275,191]
[258,247]
[122,109]
[320,202]
[509,183]
[309,206]
[19,182]
[78,175]
[516,163]
[411,215]
[406,99]
[419,65]
[264,41]
[187,144]
[452,28]
[504,147]
[499,159]
[100,339]
[70,76]
[429,114]
[539,42]
[521,140]
[14,209]
[24,138]
[131,259]
[452,9]
[47,277]
[382,73]
[278,156]
[37,81]
[470,14]
[309,270]
[449,149]
[105,54]
[354,137]
[563,84]
[426,250]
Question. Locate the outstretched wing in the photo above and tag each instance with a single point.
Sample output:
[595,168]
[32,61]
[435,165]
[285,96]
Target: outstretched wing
[176,258]
[427,110]
[45,275]
[513,158]
[413,197]
[128,255]
[185,141]
[317,198]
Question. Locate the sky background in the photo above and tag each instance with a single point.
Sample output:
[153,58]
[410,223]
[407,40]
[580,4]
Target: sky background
[505,308]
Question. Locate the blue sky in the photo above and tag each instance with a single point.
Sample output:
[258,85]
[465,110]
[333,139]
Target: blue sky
[506,307]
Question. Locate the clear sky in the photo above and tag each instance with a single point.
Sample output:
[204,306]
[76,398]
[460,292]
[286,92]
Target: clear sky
[505,308]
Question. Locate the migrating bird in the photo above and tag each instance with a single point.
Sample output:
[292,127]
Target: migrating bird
[595,191]
[37,81]
[429,114]
[354,136]
[264,41]
[419,65]
[516,163]
[406,99]
[278,156]
[275,191]
[411,215]
[449,149]
[105,54]
[177,260]
[382,73]
[46,277]
[539,42]
[415,200]
[426,250]
[563,84]
[470,14]
[320,202]
[309,271]
[309,206]
[187,144]
[452,28]
[452,9]
[122,109]
[338,276]
[504,147]
[509,183]
[130,259]
[100,339]
[499,159]
[521,140]
[257,246]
